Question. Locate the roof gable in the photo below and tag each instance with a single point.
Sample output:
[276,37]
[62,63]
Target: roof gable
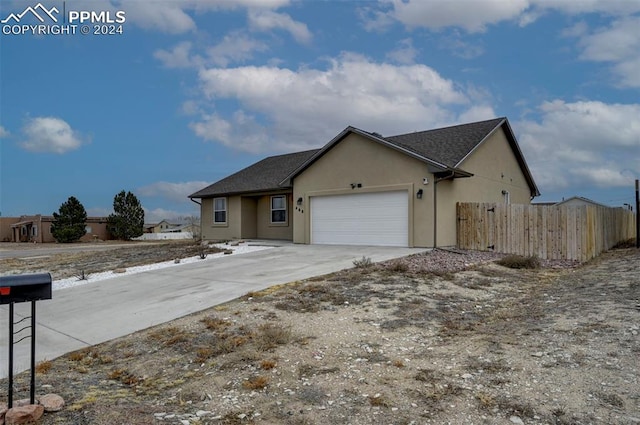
[449,145]
[262,176]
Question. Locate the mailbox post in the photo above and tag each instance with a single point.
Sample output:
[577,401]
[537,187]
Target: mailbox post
[18,289]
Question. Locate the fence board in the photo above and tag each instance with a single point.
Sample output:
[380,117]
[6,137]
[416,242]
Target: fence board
[549,232]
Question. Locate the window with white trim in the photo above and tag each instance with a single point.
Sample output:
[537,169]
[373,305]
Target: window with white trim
[279,209]
[219,210]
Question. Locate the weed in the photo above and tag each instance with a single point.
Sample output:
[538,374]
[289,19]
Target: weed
[77,356]
[123,376]
[307,370]
[256,383]
[520,262]
[203,354]
[268,364]
[486,400]
[81,275]
[398,363]
[397,266]
[611,399]
[43,367]
[363,263]
[378,400]
[213,323]
[270,335]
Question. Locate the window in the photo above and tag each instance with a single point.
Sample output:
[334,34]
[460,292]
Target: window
[34,231]
[88,229]
[279,209]
[219,210]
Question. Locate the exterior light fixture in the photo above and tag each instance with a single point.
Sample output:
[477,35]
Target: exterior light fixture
[419,194]
[299,202]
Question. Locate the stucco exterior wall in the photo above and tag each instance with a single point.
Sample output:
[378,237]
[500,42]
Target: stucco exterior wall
[495,170]
[6,232]
[377,168]
[247,217]
[249,227]
[268,230]
[230,230]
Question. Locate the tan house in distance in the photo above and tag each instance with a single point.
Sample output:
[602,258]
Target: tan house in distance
[362,188]
[37,228]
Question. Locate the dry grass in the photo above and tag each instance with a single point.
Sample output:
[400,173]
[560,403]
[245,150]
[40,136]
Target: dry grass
[519,262]
[43,367]
[256,383]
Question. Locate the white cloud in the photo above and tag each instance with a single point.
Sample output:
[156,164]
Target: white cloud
[50,134]
[472,15]
[405,53]
[234,47]
[172,16]
[583,144]
[178,57]
[475,15]
[156,215]
[172,191]
[165,16]
[619,44]
[267,20]
[4,132]
[285,110]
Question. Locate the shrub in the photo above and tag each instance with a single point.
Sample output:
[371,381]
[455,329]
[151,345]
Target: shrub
[520,262]
[270,335]
[363,263]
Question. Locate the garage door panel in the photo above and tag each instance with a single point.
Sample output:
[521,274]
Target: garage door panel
[360,219]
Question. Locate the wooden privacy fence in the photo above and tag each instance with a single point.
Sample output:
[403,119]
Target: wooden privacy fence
[549,232]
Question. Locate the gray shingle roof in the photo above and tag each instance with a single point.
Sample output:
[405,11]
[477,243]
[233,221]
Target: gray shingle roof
[448,145]
[262,176]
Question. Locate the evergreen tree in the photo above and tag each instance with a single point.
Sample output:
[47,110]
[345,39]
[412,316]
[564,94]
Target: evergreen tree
[69,222]
[127,220]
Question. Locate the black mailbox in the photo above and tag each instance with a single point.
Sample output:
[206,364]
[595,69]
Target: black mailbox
[25,287]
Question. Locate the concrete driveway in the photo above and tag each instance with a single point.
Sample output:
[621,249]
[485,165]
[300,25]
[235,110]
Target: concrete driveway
[90,314]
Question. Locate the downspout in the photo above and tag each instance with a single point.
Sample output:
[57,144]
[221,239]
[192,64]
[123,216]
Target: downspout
[435,206]
[195,202]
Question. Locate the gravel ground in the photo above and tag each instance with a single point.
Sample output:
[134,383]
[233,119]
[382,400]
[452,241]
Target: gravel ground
[437,338]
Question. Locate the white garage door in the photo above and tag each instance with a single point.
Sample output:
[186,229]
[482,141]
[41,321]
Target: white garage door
[361,219]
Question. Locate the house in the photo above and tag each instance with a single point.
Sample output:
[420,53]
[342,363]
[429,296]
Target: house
[579,201]
[362,188]
[37,228]
[163,226]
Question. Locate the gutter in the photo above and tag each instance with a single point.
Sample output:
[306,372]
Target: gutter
[195,202]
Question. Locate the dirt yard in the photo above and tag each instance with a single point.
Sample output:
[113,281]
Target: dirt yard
[436,338]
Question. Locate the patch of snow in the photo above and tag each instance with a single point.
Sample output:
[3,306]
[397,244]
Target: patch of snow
[70,282]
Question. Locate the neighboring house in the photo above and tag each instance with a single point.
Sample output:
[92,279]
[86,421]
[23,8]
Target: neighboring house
[163,226]
[365,189]
[37,228]
[579,201]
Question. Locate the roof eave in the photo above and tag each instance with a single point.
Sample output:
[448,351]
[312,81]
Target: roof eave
[242,192]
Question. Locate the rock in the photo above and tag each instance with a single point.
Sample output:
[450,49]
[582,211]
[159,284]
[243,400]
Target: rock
[24,414]
[51,402]
[516,420]
[467,376]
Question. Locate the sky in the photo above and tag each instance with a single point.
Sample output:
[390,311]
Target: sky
[183,93]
